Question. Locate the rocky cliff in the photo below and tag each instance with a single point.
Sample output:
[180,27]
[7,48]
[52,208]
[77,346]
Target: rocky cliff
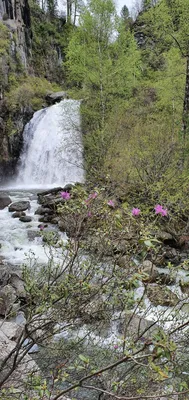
[30,48]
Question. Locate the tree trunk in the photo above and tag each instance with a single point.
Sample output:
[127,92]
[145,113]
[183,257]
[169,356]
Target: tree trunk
[186,103]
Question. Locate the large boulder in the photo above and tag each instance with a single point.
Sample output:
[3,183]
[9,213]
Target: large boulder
[4,201]
[19,206]
[56,97]
[161,296]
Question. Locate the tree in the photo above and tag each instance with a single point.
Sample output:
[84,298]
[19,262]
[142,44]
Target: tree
[97,61]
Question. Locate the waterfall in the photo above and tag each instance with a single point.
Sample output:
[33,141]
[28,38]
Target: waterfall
[52,150]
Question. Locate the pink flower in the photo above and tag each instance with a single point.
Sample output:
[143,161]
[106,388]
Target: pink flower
[93,195]
[135,212]
[65,195]
[111,203]
[115,346]
[89,214]
[160,210]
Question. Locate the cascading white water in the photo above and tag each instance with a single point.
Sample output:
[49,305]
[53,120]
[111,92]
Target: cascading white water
[52,151]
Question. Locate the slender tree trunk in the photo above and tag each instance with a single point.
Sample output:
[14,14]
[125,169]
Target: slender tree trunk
[185,119]
[186,102]
[69,11]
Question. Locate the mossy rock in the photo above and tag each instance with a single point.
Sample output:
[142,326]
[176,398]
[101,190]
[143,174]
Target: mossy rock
[161,296]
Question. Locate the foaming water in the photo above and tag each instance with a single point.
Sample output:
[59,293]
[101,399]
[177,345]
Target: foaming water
[22,243]
[52,151]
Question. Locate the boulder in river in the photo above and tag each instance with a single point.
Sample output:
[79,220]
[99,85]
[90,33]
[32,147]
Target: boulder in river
[25,218]
[19,206]
[4,201]
[18,214]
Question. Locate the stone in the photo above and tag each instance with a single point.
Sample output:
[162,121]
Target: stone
[18,214]
[167,238]
[152,275]
[25,218]
[161,296]
[185,287]
[19,206]
[10,329]
[17,283]
[124,262]
[26,366]
[4,201]
[43,211]
[7,299]
[53,98]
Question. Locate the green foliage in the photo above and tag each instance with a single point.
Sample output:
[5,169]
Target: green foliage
[4,39]
[28,91]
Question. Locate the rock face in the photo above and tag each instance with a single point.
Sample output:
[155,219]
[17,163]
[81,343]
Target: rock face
[19,206]
[4,201]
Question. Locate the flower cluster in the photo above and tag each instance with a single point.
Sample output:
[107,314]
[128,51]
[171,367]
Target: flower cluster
[158,210]
[65,195]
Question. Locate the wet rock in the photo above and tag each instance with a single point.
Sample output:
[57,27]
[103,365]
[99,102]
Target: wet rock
[7,299]
[25,218]
[43,211]
[4,201]
[19,206]
[161,295]
[18,214]
[50,191]
[46,218]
